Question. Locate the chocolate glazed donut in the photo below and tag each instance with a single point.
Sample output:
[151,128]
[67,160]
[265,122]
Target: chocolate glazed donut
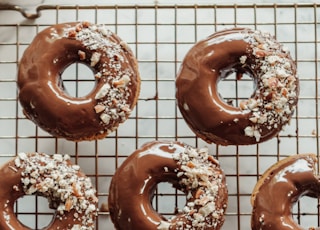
[254,120]
[44,98]
[67,189]
[190,170]
[279,188]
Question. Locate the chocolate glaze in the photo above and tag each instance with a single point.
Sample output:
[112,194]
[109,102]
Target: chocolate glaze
[42,94]
[12,189]
[213,59]
[133,185]
[279,188]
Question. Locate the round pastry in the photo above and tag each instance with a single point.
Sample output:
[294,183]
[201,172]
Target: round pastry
[67,189]
[190,170]
[240,51]
[42,93]
[279,188]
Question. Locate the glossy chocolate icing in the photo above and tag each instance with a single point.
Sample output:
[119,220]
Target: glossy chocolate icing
[42,94]
[133,185]
[213,59]
[13,181]
[279,188]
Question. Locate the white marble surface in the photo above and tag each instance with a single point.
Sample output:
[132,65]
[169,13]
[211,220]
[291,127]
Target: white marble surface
[159,56]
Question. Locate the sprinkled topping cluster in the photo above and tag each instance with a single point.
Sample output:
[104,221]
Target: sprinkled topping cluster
[201,178]
[275,98]
[58,180]
[112,69]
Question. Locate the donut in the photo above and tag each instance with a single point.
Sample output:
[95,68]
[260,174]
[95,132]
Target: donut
[279,188]
[67,189]
[190,170]
[241,51]
[44,98]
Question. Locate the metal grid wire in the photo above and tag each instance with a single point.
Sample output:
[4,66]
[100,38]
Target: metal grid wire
[160,36]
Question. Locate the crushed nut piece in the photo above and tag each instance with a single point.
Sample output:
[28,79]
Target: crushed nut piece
[95,58]
[82,55]
[99,108]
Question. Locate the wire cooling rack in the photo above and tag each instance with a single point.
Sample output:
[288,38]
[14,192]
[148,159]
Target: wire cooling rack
[160,36]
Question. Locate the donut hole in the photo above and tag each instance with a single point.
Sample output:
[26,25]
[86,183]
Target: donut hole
[33,211]
[305,212]
[168,201]
[235,87]
[77,80]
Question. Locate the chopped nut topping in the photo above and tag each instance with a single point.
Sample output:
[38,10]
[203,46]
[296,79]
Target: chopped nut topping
[68,205]
[243,105]
[199,193]
[55,178]
[85,24]
[163,225]
[95,58]
[72,34]
[275,96]
[105,118]
[243,59]
[190,164]
[99,108]
[79,27]
[103,91]
[202,179]
[110,67]
[82,55]
[122,82]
